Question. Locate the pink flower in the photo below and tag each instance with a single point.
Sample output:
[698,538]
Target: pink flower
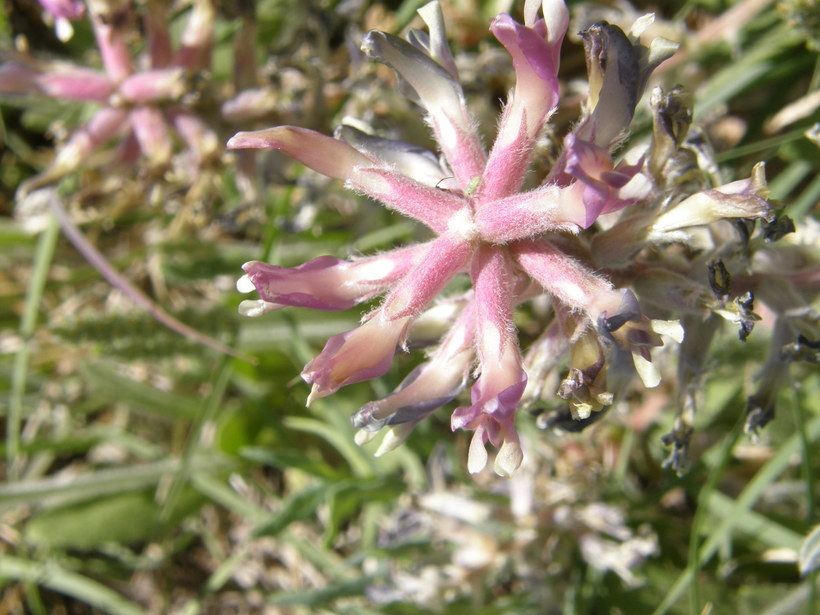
[512,243]
[139,106]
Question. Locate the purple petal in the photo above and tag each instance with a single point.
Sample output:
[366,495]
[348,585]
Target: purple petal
[600,187]
[618,71]
[612,64]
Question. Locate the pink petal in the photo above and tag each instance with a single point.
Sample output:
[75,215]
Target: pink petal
[443,258]
[67,9]
[556,18]
[560,274]
[152,133]
[431,206]
[361,354]
[327,283]
[197,39]
[65,82]
[154,85]
[497,392]
[524,215]
[431,385]
[75,84]
[159,38]
[99,129]
[201,141]
[111,36]
[16,78]
[533,100]
[249,104]
[321,153]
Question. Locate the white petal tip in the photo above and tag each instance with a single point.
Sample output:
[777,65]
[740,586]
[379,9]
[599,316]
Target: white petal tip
[63,29]
[256,307]
[649,374]
[670,328]
[508,459]
[244,285]
[362,437]
[477,457]
[394,437]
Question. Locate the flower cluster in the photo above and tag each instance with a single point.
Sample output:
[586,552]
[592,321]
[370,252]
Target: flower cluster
[143,100]
[593,235]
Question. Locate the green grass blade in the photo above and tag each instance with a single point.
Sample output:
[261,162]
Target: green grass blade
[773,468]
[57,491]
[52,576]
[34,293]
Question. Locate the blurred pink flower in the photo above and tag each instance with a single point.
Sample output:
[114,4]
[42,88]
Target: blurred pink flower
[140,106]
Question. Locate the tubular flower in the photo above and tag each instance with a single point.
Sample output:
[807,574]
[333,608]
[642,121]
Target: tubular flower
[512,242]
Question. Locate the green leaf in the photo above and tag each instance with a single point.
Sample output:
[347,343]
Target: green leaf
[300,506]
[126,518]
[284,459]
[106,382]
[809,558]
[50,575]
[56,491]
[320,597]
[349,499]
[750,522]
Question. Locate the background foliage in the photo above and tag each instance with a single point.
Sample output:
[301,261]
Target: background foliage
[146,473]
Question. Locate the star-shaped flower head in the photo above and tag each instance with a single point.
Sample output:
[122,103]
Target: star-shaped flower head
[512,243]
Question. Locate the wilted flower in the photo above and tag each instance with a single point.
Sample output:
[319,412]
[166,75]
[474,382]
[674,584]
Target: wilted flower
[574,236]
